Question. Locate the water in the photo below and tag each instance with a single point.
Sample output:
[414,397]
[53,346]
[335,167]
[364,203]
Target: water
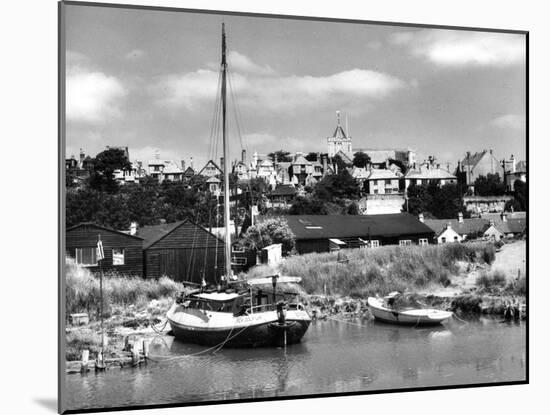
[333,357]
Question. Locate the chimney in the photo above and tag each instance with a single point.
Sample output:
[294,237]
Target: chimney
[318,157]
[460,217]
[183,165]
[513,163]
[221,163]
[459,166]
[491,222]
[133,228]
[421,217]
[325,164]
[191,162]
[448,225]
[82,156]
[503,216]
[243,156]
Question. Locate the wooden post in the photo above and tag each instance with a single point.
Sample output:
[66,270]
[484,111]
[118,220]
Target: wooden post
[84,361]
[135,354]
[146,349]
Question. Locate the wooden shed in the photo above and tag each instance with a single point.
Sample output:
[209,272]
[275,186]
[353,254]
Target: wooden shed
[183,251]
[123,252]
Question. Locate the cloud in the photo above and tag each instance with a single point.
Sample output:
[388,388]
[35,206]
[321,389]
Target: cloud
[92,96]
[509,121]
[135,54]
[241,63]
[263,91]
[461,48]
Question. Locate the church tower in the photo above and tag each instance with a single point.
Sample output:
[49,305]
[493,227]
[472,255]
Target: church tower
[339,140]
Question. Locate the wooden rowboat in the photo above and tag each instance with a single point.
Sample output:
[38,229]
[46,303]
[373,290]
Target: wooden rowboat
[406,316]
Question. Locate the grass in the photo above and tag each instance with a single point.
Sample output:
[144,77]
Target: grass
[381,270]
[491,281]
[83,294]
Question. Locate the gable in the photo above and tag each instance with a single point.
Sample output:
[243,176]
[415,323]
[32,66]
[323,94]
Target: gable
[185,235]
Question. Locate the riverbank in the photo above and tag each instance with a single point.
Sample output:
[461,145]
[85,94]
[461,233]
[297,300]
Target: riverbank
[464,278]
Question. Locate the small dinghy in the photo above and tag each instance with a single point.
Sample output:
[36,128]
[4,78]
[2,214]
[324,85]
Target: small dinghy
[386,310]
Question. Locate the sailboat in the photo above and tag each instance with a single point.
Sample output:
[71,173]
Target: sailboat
[247,313]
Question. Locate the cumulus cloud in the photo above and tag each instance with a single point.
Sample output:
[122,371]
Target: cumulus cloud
[242,63]
[509,121]
[92,96]
[267,91]
[461,48]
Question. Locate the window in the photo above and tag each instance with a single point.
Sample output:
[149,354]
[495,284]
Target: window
[238,261]
[86,256]
[388,182]
[156,168]
[118,256]
[375,243]
[456,238]
[404,242]
[443,240]
[423,242]
[238,248]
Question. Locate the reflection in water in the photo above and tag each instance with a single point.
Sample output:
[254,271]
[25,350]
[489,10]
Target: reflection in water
[333,357]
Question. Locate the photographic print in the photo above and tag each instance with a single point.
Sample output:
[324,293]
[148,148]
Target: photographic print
[263,207]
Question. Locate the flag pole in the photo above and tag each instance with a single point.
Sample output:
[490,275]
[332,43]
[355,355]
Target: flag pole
[100,260]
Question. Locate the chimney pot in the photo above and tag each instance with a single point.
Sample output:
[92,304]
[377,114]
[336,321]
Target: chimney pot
[133,228]
[421,217]
[460,217]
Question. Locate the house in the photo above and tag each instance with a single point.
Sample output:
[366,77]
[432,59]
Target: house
[211,169]
[123,252]
[381,158]
[283,194]
[240,168]
[300,170]
[427,173]
[479,205]
[508,224]
[318,233]
[493,233]
[382,182]
[447,234]
[214,186]
[478,164]
[514,171]
[183,251]
[161,170]
[242,259]
[469,228]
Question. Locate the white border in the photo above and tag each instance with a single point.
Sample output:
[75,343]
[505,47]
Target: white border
[29,203]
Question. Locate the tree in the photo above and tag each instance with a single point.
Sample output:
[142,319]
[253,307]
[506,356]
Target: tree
[280,155]
[339,162]
[105,164]
[337,186]
[490,185]
[312,156]
[519,203]
[418,199]
[308,206]
[361,159]
[268,232]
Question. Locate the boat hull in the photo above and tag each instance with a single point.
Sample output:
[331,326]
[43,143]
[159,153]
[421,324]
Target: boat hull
[415,317]
[257,330]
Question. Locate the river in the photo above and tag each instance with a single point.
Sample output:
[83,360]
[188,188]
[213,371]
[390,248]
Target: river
[334,356]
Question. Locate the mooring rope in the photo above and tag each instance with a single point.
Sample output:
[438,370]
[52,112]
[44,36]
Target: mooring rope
[345,322]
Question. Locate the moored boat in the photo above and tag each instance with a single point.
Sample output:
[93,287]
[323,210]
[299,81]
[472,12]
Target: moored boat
[383,310]
[250,317]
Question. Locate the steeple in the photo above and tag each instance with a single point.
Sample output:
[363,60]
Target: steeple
[339,141]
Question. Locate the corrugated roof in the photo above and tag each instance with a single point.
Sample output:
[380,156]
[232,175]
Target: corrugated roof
[349,226]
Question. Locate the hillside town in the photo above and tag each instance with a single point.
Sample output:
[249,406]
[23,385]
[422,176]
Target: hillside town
[385,204]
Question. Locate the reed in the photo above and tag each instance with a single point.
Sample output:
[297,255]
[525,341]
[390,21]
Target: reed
[362,272]
[82,290]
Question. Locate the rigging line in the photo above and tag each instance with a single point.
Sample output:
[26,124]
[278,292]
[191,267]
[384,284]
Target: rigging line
[237,111]
[215,118]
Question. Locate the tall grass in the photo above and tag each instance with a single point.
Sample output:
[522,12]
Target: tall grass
[83,294]
[384,269]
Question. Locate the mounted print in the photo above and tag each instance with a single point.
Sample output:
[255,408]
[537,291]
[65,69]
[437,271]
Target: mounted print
[259,207]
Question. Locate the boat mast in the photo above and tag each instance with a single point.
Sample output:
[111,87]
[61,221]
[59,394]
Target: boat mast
[225,166]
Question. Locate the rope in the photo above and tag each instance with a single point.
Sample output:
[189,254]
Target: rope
[345,322]
[459,319]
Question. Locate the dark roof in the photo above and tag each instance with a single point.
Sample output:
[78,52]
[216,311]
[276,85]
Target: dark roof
[469,226]
[284,190]
[474,158]
[95,225]
[349,226]
[339,132]
[511,225]
[154,233]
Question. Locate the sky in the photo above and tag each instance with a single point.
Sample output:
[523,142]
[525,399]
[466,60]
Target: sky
[148,80]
